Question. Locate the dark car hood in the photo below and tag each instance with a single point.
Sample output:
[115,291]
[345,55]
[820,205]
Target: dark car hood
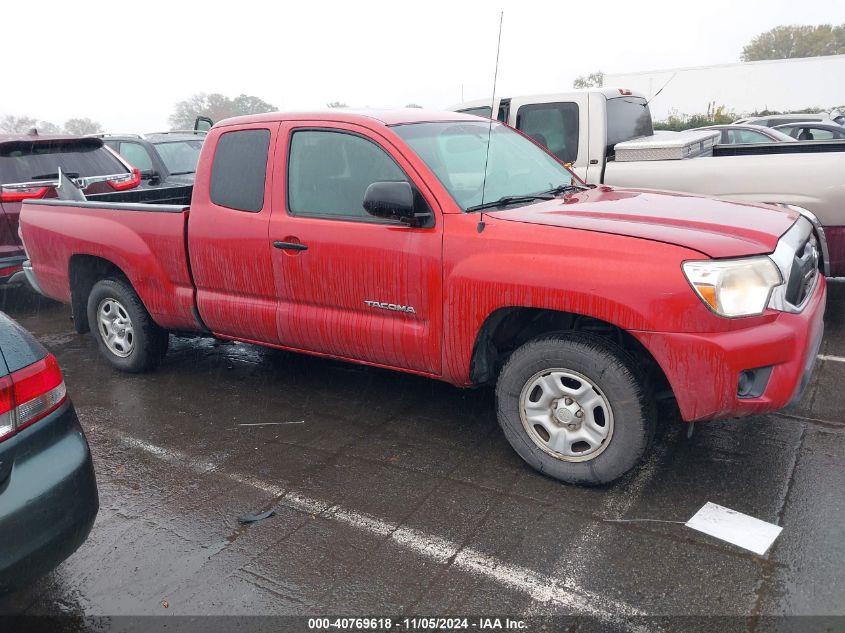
[714,227]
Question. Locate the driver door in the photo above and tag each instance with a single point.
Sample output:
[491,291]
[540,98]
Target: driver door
[349,284]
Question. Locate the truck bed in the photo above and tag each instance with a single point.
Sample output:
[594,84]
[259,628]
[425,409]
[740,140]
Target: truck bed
[146,243]
[168,195]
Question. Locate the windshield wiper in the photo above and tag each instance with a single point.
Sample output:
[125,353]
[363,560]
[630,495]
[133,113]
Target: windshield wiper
[506,200]
[54,175]
[564,188]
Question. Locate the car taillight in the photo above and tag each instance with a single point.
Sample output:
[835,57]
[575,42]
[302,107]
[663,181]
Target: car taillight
[121,183]
[29,394]
[16,195]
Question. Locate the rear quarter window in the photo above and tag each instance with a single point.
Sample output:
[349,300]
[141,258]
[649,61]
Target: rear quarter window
[239,170]
[137,155]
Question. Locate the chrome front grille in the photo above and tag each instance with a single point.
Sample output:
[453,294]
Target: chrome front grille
[802,275]
[797,257]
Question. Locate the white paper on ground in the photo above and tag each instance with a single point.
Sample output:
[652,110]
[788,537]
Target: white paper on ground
[735,527]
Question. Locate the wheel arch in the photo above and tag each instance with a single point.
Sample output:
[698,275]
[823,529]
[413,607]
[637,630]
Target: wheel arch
[507,328]
[83,272]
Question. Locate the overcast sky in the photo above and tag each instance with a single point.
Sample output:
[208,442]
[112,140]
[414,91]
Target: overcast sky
[126,64]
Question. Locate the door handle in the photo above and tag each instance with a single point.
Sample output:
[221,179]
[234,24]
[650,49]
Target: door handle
[290,246]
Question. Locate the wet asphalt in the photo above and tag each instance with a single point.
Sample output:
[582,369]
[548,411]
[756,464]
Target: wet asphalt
[397,495]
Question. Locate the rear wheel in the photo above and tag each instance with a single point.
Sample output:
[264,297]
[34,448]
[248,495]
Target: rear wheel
[125,333]
[572,407]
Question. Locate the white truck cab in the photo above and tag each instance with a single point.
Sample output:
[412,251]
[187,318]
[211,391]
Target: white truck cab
[607,137]
[562,122]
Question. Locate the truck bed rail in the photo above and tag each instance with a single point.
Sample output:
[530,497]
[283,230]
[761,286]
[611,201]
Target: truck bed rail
[113,206]
[758,149]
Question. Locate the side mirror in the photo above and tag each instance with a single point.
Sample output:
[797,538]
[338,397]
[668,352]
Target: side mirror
[203,124]
[391,200]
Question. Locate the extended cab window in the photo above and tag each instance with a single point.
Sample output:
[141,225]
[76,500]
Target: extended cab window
[553,125]
[329,172]
[239,170]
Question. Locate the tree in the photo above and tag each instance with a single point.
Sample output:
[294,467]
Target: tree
[784,42]
[336,104]
[593,80]
[82,126]
[216,107]
[248,104]
[46,127]
[12,124]
[715,115]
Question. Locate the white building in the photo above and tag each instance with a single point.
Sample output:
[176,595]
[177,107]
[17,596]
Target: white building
[781,84]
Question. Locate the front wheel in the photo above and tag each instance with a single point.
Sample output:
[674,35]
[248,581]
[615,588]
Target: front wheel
[125,332]
[572,407]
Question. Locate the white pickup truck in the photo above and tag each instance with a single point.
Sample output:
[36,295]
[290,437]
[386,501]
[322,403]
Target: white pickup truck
[607,136]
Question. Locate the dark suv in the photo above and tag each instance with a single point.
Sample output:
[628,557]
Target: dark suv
[164,158]
[29,166]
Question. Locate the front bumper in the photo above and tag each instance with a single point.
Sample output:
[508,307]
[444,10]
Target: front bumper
[48,497]
[703,369]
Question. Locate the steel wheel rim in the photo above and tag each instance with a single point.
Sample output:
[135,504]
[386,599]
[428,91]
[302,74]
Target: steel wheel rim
[566,415]
[115,327]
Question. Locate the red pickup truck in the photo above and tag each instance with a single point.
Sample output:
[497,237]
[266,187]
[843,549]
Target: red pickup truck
[396,239]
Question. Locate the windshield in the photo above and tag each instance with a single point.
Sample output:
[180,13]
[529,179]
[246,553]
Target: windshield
[456,152]
[180,157]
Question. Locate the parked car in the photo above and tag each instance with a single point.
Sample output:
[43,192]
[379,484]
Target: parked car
[587,127]
[747,133]
[774,120]
[29,169]
[382,238]
[162,157]
[812,131]
[48,491]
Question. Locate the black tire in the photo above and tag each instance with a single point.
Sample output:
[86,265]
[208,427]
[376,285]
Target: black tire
[148,342]
[613,371]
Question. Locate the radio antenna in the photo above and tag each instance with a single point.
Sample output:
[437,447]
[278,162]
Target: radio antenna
[654,96]
[490,127]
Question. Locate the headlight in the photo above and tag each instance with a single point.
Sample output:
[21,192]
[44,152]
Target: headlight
[734,287]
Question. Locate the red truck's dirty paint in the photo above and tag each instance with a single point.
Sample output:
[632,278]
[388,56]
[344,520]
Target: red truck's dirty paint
[149,248]
[705,365]
[613,255]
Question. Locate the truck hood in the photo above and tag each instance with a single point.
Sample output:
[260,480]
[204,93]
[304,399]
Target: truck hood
[716,228]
